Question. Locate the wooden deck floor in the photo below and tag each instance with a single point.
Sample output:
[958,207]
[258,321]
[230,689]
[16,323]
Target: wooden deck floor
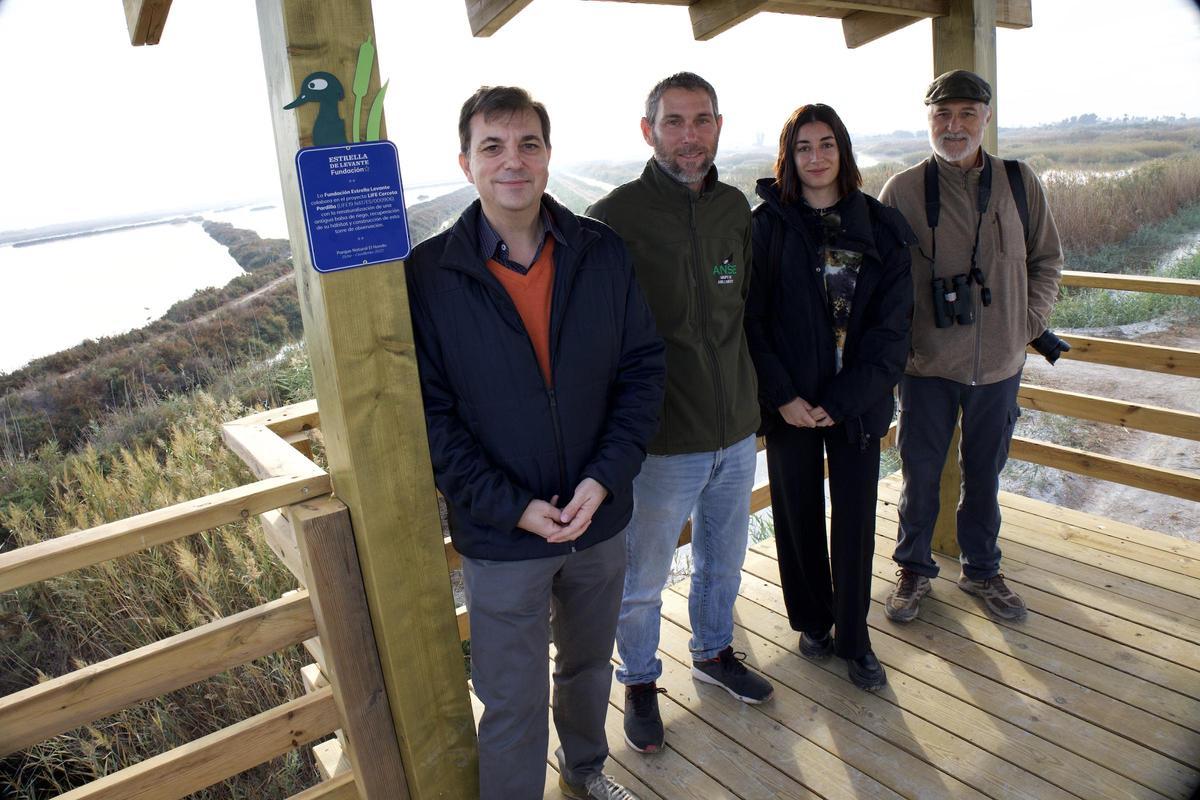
[1095,695]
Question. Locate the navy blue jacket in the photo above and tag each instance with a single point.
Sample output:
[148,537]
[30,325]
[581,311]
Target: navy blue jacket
[789,327]
[499,437]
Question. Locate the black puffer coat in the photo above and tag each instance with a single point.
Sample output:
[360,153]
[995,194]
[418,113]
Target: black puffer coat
[498,435]
[788,322]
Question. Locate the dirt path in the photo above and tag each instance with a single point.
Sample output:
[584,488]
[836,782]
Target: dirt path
[1134,506]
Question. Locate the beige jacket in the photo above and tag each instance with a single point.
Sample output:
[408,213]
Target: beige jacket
[1022,274]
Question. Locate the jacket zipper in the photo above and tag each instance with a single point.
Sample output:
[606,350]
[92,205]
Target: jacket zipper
[559,449]
[978,339]
[708,348]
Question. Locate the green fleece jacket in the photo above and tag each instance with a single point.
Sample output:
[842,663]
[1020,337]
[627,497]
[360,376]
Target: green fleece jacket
[691,255]
[1022,273]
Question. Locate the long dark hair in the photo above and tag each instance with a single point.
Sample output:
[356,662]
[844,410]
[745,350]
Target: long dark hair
[787,178]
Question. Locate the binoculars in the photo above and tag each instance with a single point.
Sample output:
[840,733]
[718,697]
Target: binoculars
[952,300]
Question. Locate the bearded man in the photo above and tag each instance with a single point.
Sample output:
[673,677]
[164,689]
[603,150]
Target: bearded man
[689,236]
[985,271]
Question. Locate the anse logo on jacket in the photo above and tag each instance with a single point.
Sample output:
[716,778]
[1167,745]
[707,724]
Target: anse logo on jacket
[726,271]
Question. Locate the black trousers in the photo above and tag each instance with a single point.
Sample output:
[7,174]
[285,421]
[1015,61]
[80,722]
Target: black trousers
[820,592]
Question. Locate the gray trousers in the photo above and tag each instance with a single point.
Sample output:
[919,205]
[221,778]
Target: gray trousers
[514,606]
[928,411]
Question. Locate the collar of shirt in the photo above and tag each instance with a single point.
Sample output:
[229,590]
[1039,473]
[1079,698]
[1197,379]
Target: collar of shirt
[491,246]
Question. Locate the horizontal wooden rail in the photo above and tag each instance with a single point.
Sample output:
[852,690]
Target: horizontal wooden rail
[48,559]
[265,452]
[49,708]
[1184,424]
[285,420]
[1150,357]
[1109,468]
[1131,283]
[339,788]
[199,764]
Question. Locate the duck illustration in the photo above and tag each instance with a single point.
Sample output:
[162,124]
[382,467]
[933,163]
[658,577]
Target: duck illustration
[326,90]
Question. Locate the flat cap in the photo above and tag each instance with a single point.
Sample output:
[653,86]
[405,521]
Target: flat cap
[958,84]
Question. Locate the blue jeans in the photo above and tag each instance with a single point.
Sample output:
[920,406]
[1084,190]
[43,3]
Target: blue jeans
[713,488]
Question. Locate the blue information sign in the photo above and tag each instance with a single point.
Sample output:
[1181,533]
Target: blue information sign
[353,205]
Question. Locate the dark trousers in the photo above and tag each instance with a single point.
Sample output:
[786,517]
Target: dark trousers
[817,597]
[514,606]
[928,411]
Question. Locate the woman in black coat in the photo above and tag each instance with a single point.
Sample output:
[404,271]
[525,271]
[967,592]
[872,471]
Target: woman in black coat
[828,325]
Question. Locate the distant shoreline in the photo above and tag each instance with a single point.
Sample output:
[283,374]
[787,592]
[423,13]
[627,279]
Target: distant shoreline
[58,237]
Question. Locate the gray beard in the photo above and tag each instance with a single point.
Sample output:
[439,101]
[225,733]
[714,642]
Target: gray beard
[672,168]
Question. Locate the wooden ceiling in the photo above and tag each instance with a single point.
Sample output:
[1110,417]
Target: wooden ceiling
[862,22]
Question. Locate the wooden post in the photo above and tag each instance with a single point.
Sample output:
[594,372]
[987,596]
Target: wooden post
[945,530]
[963,39]
[359,338]
[335,587]
[966,39]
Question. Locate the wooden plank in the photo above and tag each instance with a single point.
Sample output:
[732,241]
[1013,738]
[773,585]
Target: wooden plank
[285,420]
[1109,527]
[332,760]
[712,17]
[1174,482]
[965,38]
[826,685]
[1129,598]
[313,677]
[196,765]
[464,623]
[339,788]
[936,656]
[265,452]
[1132,283]
[358,334]
[279,536]
[1039,737]
[326,543]
[1104,667]
[1151,357]
[453,559]
[781,747]
[316,650]
[1183,424]
[72,551]
[146,19]
[711,747]
[488,16]
[60,704]
[859,750]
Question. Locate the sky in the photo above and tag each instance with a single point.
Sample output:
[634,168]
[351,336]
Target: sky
[94,127]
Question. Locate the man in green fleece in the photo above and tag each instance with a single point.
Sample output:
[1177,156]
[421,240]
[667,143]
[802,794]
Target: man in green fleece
[985,273]
[690,239]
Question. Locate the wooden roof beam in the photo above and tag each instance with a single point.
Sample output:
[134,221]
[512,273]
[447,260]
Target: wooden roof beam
[862,27]
[489,16]
[146,19]
[712,17]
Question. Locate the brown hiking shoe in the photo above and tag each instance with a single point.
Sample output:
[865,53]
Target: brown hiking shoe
[999,600]
[904,602]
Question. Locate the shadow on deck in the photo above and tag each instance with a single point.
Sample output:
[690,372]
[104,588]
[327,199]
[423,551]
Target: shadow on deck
[1095,695]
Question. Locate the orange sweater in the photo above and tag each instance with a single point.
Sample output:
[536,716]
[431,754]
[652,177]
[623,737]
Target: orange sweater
[530,293]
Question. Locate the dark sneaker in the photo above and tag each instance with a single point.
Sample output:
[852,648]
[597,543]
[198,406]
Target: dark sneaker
[866,672]
[999,600]
[597,787]
[728,672]
[904,602]
[643,725]
[818,648]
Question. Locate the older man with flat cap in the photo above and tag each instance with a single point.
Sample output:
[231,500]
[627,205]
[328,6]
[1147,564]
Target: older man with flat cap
[985,269]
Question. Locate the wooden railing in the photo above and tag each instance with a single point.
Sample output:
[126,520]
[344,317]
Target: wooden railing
[310,532]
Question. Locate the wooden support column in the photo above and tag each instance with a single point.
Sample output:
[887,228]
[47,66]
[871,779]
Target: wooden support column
[945,530]
[359,338]
[335,586]
[965,38]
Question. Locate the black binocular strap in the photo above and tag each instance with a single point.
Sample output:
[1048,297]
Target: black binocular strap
[933,204]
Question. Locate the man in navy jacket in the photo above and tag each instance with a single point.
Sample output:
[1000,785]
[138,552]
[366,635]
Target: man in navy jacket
[542,376]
